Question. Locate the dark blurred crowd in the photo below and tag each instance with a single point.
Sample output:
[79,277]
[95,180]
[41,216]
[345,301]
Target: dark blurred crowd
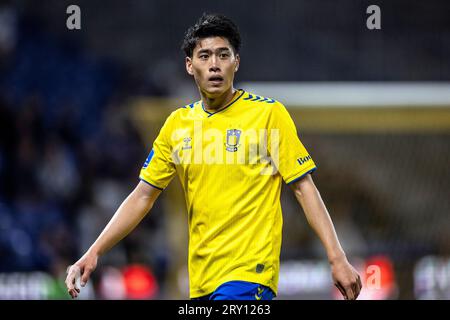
[69,155]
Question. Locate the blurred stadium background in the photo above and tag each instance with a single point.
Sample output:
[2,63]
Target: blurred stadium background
[80,109]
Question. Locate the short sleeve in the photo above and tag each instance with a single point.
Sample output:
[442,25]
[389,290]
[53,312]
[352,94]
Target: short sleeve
[286,150]
[159,168]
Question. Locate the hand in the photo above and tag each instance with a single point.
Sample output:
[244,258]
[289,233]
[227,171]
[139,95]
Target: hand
[82,268]
[346,279]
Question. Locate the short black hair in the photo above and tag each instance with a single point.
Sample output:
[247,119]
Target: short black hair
[211,25]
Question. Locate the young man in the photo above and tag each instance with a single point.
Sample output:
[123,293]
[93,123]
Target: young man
[231,151]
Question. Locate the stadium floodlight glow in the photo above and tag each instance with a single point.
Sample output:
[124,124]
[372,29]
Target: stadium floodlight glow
[356,94]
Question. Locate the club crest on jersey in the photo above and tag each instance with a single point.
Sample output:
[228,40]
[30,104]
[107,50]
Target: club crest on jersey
[233,136]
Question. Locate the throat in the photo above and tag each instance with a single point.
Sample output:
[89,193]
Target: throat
[218,103]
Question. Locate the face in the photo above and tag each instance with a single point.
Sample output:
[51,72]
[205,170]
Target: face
[213,65]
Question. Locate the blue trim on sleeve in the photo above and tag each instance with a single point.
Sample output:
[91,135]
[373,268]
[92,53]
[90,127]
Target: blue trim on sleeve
[151,184]
[303,175]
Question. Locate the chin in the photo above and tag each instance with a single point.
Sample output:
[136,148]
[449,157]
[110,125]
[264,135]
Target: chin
[213,92]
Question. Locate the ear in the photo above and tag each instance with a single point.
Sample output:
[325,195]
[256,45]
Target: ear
[238,60]
[189,66]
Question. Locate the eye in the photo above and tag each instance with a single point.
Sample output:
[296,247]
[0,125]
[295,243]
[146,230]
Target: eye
[224,55]
[203,56]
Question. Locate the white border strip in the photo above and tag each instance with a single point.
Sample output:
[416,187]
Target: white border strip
[354,94]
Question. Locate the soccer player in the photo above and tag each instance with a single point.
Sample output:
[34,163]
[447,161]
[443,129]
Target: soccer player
[231,151]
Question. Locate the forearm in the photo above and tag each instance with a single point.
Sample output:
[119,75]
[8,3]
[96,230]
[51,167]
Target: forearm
[132,210]
[318,217]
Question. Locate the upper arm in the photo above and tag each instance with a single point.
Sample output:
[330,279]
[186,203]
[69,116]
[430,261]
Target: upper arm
[159,168]
[287,152]
[301,186]
[146,191]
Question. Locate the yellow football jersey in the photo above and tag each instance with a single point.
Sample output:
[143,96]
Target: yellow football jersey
[231,164]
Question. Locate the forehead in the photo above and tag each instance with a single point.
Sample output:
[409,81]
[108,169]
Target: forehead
[212,43]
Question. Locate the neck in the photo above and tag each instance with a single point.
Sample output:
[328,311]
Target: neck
[217,103]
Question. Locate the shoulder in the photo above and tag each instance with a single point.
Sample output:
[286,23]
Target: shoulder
[273,110]
[257,99]
[182,111]
[266,105]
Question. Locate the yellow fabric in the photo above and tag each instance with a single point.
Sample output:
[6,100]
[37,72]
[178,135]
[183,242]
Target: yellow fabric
[232,185]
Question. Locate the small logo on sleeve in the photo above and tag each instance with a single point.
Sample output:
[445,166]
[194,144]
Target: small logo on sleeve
[149,158]
[304,159]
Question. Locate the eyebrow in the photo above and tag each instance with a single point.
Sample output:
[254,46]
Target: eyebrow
[209,50]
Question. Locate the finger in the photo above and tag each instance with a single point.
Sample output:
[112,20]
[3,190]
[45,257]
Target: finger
[341,289]
[85,277]
[349,292]
[360,283]
[69,285]
[355,289]
[73,293]
[71,280]
[358,286]
[73,290]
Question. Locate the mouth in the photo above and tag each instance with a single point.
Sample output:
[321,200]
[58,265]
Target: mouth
[215,79]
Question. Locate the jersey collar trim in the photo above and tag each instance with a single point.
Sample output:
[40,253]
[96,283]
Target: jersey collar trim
[226,107]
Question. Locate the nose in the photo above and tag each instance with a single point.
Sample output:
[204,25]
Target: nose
[214,67]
